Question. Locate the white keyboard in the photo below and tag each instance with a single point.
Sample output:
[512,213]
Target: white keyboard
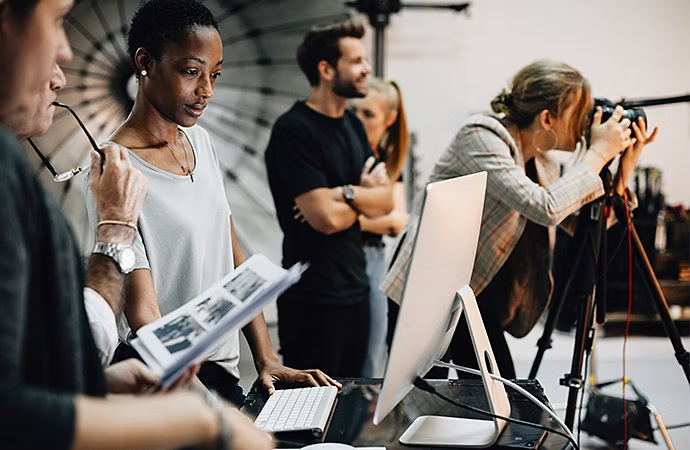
[300,409]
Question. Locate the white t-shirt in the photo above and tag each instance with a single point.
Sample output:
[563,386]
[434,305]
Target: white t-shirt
[184,234]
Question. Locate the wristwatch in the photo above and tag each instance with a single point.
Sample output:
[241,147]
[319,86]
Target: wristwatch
[348,194]
[122,255]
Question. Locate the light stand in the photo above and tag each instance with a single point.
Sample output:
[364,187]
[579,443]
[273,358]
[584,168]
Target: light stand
[379,12]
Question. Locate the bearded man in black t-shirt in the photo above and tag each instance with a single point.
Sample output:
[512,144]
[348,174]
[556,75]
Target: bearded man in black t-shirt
[322,177]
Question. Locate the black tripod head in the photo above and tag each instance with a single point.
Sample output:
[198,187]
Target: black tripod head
[379,12]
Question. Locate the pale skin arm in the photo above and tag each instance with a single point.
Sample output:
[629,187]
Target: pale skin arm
[119,191]
[392,223]
[610,138]
[266,360]
[631,155]
[374,195]
[325,208]
[160,421]
[163,421]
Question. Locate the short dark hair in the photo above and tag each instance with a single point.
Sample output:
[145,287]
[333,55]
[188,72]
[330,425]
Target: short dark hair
[160,22]
[321,44]
[22,9]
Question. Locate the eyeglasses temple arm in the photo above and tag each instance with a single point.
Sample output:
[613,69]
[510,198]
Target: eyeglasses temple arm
[83,127]
[45,161]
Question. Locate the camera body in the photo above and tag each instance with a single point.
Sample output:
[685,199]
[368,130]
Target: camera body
[607,107]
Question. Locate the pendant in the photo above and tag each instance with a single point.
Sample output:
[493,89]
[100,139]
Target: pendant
[191,177]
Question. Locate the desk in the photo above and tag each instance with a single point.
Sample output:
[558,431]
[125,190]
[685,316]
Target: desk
[351,422]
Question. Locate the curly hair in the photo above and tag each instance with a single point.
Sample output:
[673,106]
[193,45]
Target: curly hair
[160,22]
[321,44]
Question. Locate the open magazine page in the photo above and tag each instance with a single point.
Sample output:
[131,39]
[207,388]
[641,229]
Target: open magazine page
[188,334]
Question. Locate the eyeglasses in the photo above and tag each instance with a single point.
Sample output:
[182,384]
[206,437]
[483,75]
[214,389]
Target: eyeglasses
[60,177]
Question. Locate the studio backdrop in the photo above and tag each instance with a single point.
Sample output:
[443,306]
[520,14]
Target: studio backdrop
[260,81]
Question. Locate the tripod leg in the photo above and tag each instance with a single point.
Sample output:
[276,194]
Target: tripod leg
[583,344]
[586,239]
[660,303]
[545,341]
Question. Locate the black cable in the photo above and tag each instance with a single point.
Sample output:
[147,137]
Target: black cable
[423,385]
[673,427]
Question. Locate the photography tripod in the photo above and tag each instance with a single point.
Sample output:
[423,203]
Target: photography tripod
[588,279]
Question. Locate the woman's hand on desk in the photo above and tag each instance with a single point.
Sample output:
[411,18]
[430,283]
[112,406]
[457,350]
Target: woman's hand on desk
[274,372]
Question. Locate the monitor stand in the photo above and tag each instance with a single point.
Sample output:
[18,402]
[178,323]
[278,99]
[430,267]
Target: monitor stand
[462,432]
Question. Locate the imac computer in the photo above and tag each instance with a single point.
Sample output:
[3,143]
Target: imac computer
[436,292]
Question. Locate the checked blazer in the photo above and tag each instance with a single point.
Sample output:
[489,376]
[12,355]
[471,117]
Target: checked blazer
[512,198]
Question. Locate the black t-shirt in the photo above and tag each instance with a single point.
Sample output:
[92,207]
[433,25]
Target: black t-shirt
[309,150]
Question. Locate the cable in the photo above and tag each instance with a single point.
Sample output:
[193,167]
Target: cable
[521,390]
[673,427]
[567,434]
[423,385]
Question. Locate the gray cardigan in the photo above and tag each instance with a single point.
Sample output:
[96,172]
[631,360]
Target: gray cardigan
[47,353]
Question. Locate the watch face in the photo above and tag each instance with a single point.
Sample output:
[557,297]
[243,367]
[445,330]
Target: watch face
[348,193]
[127,259]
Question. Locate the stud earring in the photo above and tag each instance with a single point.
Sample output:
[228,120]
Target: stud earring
[144,73]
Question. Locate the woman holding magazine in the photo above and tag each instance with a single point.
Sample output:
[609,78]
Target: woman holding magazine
[186,239]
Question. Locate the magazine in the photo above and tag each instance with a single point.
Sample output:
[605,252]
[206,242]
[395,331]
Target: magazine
[190,333]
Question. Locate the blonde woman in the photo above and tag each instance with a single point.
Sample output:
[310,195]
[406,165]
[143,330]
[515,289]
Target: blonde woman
[547,106]
[383,116]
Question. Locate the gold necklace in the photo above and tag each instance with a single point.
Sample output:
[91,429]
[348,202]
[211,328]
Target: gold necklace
[185,170]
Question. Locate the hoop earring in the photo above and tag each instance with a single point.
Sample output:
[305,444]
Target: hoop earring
[144,73]
[548,147]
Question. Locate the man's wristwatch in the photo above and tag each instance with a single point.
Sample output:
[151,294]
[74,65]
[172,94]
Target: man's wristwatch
[122,255]
[348,194]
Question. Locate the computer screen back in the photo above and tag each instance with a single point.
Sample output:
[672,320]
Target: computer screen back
[442,261]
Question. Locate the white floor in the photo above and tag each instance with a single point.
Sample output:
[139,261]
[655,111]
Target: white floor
[651,366]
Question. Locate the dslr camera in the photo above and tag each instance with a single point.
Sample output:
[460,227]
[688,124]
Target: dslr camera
[607,107]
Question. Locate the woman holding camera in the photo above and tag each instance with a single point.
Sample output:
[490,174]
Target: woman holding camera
[546,107]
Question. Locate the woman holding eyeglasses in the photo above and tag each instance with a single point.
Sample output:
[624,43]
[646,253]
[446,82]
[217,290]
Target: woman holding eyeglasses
[186,238]
[53,390]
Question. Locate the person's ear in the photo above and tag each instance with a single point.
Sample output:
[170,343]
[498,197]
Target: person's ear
[392,117]
[546,119]
[326,71]
[143,61]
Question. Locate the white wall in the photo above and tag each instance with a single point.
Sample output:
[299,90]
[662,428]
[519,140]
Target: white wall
[450,65]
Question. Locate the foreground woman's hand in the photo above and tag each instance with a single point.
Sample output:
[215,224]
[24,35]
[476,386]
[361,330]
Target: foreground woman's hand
[132,376]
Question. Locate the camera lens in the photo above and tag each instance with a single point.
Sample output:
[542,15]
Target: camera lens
[632,114]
